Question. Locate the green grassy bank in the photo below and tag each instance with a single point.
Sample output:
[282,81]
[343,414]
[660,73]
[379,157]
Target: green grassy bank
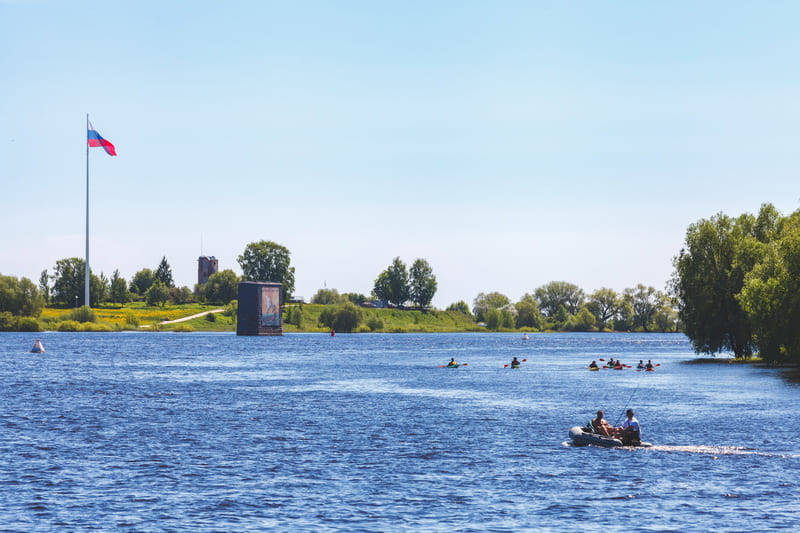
[305,318]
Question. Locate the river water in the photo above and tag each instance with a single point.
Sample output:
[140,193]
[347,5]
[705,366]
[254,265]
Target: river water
[365,432]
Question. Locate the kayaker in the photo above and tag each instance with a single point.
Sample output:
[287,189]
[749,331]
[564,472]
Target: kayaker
[452,362]
[601,426]
[515,362]
[649,365]
[593,364]
[630,431]
[640,365]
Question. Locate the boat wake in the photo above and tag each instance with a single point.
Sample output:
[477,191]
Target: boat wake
[708,450]
[721,450]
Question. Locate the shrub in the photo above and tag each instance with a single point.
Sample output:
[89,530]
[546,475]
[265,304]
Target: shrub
[132,320]
[83,314]
[69,325]
[183,328]
[28,323]
[8,322]
[211,317]
[374,323]
[294,315]
[345,318]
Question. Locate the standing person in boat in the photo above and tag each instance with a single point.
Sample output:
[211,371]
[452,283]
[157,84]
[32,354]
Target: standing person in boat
[601,426]
[630,432]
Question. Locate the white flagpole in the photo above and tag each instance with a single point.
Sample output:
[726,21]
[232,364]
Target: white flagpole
[86,288]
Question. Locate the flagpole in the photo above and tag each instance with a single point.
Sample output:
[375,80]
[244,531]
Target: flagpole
[86,265]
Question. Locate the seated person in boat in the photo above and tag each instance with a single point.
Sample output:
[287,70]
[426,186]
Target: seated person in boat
[649,365]
[593,364]
[611,362]
[640,365]
[600,425]
[629,433]
[515,362]
[452,362]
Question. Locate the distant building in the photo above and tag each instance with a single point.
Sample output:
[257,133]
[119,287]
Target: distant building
[206,265]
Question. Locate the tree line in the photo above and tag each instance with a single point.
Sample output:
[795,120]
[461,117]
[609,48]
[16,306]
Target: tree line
[737,283]
[563,306]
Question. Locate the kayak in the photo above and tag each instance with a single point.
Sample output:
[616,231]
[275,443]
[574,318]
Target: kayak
[593,368]
[453,366]
[583,436]
[514,366]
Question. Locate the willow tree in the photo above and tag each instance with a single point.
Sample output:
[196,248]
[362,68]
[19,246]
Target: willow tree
[771,296]
[710,273]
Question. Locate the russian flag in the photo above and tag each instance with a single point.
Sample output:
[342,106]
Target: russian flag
[95,139]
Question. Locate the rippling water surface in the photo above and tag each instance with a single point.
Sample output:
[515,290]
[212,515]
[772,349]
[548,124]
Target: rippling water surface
[213,432]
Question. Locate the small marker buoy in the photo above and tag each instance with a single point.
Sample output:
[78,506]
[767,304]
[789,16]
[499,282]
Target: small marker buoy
[37,347]
[333,333]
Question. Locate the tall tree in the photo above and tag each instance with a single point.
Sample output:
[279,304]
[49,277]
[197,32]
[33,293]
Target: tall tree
[421,283]
[528,314]
[645,302]
[604,304]
[20,297]
[392,284]
[164,273]
[557,293]
[268,261]
[771,296]
[709,274]
[44,285]
[118,289]
[141,281]
[69,280]
[485,301]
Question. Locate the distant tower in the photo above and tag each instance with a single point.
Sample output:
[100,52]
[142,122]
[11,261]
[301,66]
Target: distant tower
[206,265]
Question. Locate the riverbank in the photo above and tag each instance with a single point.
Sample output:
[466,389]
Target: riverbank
[200,317]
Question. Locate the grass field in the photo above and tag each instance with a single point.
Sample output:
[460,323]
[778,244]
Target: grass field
[138,316]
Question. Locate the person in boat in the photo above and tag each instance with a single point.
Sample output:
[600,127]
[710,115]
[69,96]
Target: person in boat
[593,364]
[515,362]
[630,431]
[599,425]
[649,365]
[610,362]
[452,362]
[618,364]
[640,365]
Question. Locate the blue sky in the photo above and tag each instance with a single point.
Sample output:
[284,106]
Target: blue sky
[508,143]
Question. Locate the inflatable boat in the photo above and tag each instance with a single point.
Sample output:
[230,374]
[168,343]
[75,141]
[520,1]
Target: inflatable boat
[583,436]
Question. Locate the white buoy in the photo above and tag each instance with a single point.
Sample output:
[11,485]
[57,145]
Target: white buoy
[524,336]
[37,347]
